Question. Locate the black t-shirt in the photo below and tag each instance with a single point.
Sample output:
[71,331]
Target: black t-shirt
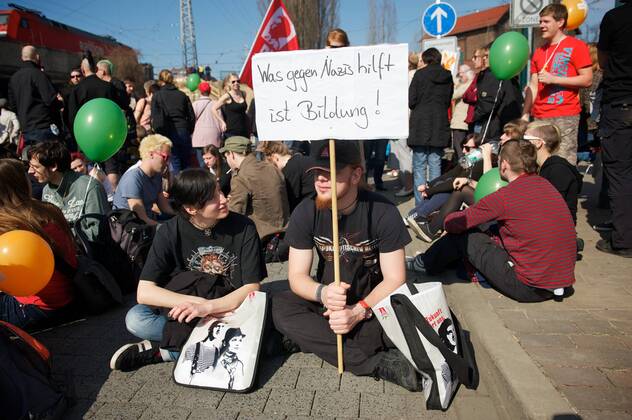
[375,226]
[299,184]
[232,250]
[614,39]
[565,178]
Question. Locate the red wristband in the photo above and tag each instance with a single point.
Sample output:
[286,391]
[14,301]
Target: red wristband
[364,304]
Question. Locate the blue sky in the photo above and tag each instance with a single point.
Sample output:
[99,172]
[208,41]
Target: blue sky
[225,29]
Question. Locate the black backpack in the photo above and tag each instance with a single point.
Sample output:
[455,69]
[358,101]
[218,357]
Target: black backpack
[27,388]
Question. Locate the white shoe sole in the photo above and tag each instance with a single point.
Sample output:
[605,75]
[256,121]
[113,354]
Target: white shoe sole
[142,346]
[420,233]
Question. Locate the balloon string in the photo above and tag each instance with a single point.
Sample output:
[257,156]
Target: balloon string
[492,112]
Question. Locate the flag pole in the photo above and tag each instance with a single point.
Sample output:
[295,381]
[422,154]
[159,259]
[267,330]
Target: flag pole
[335,239]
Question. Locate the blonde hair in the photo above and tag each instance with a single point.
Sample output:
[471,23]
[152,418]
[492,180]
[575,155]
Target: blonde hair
[515,128]
[152,143]
[226,83]
[549,133]
[413,61]
[269,148]
[165,77]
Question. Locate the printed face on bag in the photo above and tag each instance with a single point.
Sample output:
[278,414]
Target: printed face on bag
[235,343]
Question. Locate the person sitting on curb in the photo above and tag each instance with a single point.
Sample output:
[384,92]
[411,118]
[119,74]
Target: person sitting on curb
[257,189]
[204,239]
[74,193]
[372,239]
[141,186]
[534,251]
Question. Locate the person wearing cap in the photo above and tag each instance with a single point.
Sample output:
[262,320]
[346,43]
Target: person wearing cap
[257,188]
[372,240]
[206,131]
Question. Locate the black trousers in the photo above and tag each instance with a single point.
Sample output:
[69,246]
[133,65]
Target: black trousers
[454,203]
[375,155]
[491,260]
[457,138]
[303,323]
[616,146]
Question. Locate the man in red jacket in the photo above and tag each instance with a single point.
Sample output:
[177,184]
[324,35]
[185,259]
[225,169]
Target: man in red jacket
[534,250]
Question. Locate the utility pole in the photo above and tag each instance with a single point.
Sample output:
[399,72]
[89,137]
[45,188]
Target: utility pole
[187,35]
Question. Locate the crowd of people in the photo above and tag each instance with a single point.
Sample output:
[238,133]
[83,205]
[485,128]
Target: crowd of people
[225,205]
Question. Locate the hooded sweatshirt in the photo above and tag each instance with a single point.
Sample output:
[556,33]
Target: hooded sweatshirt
[565,178]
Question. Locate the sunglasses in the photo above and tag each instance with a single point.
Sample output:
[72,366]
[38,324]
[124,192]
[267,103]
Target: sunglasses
[75,76]
[235,81]
[467,148]
[530,137]
[163,155]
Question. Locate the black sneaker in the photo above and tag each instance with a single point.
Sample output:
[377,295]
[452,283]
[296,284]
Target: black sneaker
[135,355]
[423,231]
[416,264]
[394,367]
[603,227]
[289,346]
[604,245]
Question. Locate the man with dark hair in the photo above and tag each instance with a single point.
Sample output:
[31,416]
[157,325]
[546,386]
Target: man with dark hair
[74,193]
[372,240]
[257,188]
[34,99]
[615,127]
[206,245]
[534,251]
[559,68]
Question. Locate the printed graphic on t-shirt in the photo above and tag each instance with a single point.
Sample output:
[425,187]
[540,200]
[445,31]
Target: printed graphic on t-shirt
[559,67]
[72,209]
[213,260]
[349,250]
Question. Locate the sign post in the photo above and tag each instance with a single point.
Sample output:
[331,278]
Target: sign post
[439,19]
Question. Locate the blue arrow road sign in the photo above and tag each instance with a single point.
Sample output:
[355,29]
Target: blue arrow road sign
[439,19]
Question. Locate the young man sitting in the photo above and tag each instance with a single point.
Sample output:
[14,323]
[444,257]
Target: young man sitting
[372,240]
[534,251]
[204,239]
[74,193]
[141,186]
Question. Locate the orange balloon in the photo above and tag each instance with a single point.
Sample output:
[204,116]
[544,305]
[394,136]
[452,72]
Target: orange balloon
[26,263]
[577,12]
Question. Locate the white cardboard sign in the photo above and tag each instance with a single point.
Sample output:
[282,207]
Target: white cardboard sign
[348,93]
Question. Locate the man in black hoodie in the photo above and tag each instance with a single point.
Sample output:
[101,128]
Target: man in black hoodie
[34,99]
[429,97]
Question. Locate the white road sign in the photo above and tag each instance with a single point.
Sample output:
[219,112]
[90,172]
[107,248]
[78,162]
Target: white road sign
[526,13]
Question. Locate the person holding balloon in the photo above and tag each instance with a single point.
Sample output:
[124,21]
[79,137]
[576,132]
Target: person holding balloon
[34,236]
[559,68]
[534,251]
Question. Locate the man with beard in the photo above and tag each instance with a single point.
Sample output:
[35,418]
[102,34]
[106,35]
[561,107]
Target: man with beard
[372,240]
[534,250]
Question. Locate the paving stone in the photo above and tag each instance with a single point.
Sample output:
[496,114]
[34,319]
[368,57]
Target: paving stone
[606,342]
[391,388]
[518,322]
[117,411]
[621,377]
[289,402]
[475,408]
[119,387]
[303,360]
[613,315]
[285,377]
[557,327]
[576,376]
[259,416]
[398,405]
[582,357]
[198,398]
[165,413]
[160,392]
[605,415]
[313,418]
[202,414]
[151,372]
[350,382]
[598,398]
[561,314]
[597,326]
[316,378]
[345,404]
[251,402]
[623,326]
[544,340]
[82,409]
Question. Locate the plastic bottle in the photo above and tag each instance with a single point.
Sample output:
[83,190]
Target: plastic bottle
[468,160]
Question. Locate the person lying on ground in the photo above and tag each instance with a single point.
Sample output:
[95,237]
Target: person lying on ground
[372,240]
[533,252]
[205,245]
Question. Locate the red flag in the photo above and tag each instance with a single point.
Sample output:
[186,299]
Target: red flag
[276,33]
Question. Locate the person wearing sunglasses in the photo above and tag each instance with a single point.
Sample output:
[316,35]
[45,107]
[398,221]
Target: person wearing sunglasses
[141,186]
[230,109]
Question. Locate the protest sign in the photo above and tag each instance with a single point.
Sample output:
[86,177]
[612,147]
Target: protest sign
[347,93]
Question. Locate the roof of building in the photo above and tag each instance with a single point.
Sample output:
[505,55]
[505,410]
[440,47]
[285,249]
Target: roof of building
[481,19]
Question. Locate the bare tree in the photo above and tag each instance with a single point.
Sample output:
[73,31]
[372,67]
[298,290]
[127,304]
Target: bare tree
[382,22]
[312,19]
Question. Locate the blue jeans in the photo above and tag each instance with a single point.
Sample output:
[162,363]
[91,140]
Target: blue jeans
[20,315]
[181,150]
[38,135]
[147,323]
[429,205]
[425,156]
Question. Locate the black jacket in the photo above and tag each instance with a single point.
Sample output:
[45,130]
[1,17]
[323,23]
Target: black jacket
[508,106]
[565,178]
[444,183]
[429,97]
[89,88]
[175,106]
[33,97]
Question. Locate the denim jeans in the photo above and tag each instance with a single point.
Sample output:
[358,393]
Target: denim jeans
[181,150]
[38,135]
[429,205]
[20,315]
[147,323]
[425,157]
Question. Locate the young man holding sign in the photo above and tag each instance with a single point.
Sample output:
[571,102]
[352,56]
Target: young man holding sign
[372,240]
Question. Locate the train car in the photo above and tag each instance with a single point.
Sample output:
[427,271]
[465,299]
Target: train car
[60,46]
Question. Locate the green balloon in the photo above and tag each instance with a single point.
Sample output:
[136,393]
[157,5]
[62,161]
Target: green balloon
[489,183]
[100,129]
[508,55]
[193,80]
